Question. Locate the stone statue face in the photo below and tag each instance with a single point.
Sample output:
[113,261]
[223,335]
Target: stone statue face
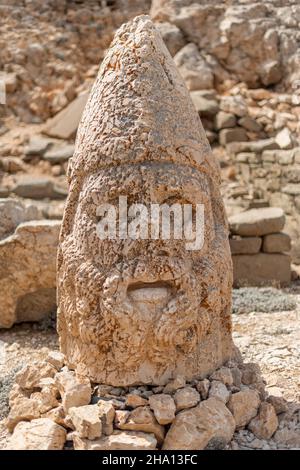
[142,310]
[139,310]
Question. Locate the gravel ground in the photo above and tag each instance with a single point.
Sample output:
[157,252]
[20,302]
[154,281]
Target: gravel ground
[267,299]
[266,329]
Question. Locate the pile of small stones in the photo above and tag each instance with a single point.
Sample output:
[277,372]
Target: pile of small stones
[51,407]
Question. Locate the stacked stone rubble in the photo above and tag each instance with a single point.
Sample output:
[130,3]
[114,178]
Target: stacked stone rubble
[53,408]
[259,247]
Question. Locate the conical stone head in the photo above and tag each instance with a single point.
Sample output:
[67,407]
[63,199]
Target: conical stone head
[144,266]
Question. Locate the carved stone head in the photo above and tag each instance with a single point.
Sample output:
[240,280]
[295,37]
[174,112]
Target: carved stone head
[142,310]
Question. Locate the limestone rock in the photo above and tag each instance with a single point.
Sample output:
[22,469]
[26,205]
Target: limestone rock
[283,139]
[133,401]
[39,434]
[57,415]
[163,407]
[208,423]
[107,415]
[234,105]
[59,154]
[261,268]
[186,398]
[257,222]
[245,245]
[224,375]
[237,134]
[219,390]
[86,421]
[265,423]
[22,409]
[276,243]
[225,120]
[30,375]
[250,124]
[175,384]
[64,125]
[119,440]
[28,272]
[37,146]
[172,37]
[251,373]
[140,419]
[39,188]
[244,405]
[279,404]
[12,165]
[56,358]
[193,68]
[46,399]
[74,391]
[204,106]
[257,146]
[13,212]
[110,297]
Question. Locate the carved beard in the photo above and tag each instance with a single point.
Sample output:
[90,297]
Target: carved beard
[110,320]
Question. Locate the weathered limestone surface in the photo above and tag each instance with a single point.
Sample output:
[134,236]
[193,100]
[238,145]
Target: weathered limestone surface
[28,272]
[141,136]
[261,268]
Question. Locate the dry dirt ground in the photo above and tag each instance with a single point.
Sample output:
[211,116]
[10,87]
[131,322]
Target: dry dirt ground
[270,338]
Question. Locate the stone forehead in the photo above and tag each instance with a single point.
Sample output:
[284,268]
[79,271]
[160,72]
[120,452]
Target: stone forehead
[139,109]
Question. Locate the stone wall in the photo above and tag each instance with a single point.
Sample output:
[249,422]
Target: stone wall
[259,247]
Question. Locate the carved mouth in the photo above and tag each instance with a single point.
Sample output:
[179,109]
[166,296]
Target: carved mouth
[150,292]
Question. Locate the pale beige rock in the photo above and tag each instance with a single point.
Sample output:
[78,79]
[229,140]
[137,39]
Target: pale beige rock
[175,384]
[75,391]
[163,407]
[57,415]
[251,373]
[276,243]
[208,423]
[28,272]
[107,415]
[261,268]
[119,440]
[64,125]
[39,434]
[133,401]
[30,375]
[193,68]
[56,358]
[86,421]
[283,139]
[157,141]
[22,409]
[265,423]
[13,212]
[245,245]
[47,398]
[140,419]
[224,375]
[257,222]
[279,404]
[186,398]
[219,390]
[244,405]
[17,393]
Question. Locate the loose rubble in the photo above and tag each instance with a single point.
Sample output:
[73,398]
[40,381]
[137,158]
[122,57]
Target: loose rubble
[169,420]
